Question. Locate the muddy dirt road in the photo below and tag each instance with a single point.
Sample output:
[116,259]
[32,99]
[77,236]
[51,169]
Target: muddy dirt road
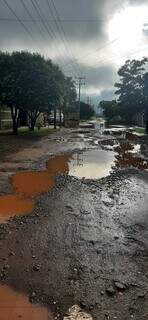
[84,240]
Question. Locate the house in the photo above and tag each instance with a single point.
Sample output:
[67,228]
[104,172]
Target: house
[5,118]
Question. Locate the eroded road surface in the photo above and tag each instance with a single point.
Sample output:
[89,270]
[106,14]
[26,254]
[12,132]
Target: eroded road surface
[74,227]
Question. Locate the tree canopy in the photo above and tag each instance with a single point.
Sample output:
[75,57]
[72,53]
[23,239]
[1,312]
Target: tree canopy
[32,83]
[111,110]
[86,111]
[130,88]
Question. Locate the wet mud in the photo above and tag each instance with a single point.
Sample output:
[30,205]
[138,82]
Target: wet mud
[86,241]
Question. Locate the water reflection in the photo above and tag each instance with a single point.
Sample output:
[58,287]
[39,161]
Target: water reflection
[92,164]
[14,306]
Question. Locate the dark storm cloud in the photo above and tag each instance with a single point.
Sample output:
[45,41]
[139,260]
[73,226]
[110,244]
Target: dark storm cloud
[85,15]
[84,23]
[100,77]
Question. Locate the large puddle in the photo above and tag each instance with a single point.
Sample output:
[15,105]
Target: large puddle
[14,306]
[91,164]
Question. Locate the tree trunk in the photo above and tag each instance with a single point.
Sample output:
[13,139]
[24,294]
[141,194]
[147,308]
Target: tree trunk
[60,111]
[146,121]
[146,126]
[33,115]
[15,127]
[55,117]
[32,124]
[15,114]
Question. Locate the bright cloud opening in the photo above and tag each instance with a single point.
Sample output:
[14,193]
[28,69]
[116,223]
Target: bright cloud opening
[128,27]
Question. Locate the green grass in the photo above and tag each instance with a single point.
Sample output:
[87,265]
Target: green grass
[24,131]
[139,130]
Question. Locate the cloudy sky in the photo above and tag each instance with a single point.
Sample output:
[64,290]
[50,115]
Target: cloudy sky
[88,38]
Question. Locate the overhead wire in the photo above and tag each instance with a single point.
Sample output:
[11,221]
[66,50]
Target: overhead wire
[31,18]
[18,19]
[97,50]
[61,31]
[47,27]
[63,40]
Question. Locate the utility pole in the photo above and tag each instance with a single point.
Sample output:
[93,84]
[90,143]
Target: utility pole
[88,100]
[80,84]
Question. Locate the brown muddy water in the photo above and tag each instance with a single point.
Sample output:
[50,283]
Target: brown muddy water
[28,186]
[91,164]
[14,306]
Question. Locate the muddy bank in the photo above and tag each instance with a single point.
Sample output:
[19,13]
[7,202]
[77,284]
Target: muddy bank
[85,243]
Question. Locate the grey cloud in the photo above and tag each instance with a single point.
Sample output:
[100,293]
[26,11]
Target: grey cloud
[87,30]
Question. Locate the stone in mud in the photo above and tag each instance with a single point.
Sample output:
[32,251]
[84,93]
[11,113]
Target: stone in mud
[6,267]
[69,208]
[116,237]
[85,212]
[36,268]
[76,313]
[11,253]
[120,286]
[33,295]
[111,291]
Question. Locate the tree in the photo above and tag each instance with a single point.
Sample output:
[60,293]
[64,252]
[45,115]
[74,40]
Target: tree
[86,111]
[145,94]
[36,83]
[130,87]
[111,110]
[57,91]
[8,94]
[29,82]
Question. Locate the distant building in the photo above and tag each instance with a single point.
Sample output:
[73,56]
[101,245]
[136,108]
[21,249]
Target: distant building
[71,120]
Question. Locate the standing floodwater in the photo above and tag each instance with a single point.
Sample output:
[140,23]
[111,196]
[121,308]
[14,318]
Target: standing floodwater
[92,164]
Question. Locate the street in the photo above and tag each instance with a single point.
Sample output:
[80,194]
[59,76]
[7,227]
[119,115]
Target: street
[84,241]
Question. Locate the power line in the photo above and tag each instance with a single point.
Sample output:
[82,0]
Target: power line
[62,31]
[123,56]
[18,19]
[36,7]
[46,26]
[56,20]
[29,14]
[53,20]
[97,50]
